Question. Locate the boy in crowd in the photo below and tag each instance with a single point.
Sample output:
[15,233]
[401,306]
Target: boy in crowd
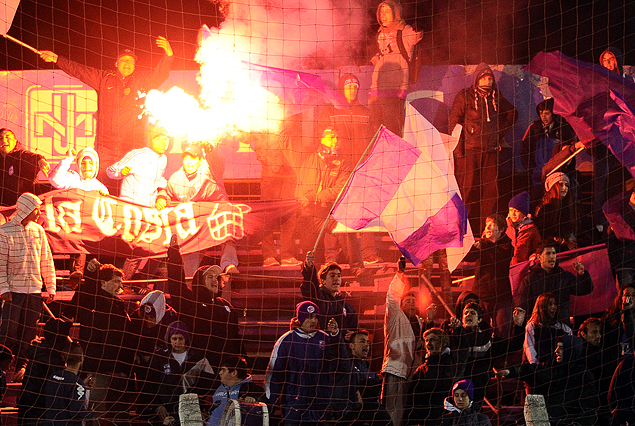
[521,229]
[235,384]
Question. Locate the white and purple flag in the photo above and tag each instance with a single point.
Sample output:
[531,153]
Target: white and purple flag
[405,188]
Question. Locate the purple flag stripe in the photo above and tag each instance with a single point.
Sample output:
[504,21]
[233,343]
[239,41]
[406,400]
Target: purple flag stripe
[614,210]
[444,229]
[376,181]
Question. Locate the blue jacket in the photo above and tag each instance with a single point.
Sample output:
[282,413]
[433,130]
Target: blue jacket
[66,399]
[240,390]
[298,376]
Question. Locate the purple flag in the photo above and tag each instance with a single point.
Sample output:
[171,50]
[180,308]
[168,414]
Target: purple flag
[595,260]
[402,188]
[298,91]
[614,210]
[597,102]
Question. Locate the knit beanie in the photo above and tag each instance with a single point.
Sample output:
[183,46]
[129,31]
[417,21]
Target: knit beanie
[554,178]
[521,202]
[304,309]
[177,327]
[465,385]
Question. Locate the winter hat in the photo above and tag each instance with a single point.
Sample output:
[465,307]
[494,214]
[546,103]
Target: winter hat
[346,79]
[177,327]
[25,205]
[521,202]
[465,385]
[324,270]
[554,178]
[304,309]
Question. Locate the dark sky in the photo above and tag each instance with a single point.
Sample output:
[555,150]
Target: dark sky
[456,31]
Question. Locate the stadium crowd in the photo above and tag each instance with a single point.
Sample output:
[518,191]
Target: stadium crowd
[133,367]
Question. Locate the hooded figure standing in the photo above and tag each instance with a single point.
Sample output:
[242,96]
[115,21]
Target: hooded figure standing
[396,42]
[26,263]
[62,177]
[486,116]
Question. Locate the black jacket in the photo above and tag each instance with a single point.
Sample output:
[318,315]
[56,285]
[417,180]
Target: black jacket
[18,171]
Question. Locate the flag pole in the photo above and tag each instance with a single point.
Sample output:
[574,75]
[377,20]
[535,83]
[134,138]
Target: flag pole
[348,182]
[565,161]
[21,43]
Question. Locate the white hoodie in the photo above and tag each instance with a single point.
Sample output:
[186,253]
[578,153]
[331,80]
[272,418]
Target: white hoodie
[25,256]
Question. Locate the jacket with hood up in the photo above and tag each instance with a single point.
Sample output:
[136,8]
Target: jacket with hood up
[26,261]
[63,178]
[199,186]
[467,417]
[485,117]
[390,76]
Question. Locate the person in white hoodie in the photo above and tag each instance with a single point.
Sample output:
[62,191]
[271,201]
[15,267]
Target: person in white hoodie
[87,161]
[85,178]
[26,262]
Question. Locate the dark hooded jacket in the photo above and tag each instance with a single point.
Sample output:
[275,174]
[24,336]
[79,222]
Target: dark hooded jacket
[211,319]
[18,171]
[485,117]
[540,143]
[432,381]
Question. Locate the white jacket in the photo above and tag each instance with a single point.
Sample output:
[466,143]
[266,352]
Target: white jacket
[25,256]
[145,178]
[400,355]
[63,178]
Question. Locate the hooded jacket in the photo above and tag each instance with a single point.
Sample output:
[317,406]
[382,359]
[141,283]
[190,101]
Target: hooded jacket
[467,417]
[146,340]
[211,319]
[485,117]
[18,172]
[619,58]
[26,261]
[390,76]
[63,178]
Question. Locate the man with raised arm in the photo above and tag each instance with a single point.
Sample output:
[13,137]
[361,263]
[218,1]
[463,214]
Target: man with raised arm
[119,101]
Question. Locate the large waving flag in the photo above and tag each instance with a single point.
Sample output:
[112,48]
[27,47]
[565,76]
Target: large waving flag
[598,103]
[403,188]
